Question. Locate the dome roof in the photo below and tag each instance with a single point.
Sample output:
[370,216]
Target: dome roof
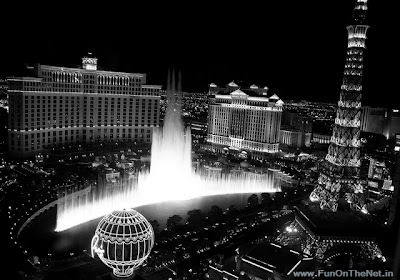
[232,84]
[274,97]
[125,225]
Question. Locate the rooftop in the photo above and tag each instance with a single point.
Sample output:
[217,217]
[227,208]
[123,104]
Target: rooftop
[249,92]
[232,84]
[343,223]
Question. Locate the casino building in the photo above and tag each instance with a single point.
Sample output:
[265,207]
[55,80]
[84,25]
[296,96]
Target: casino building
[244,120]
[60,106]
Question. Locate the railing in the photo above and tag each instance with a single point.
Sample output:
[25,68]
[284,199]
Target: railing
[51,204]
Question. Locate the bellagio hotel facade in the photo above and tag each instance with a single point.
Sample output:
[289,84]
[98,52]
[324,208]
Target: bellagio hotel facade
[244,120]
[62,106]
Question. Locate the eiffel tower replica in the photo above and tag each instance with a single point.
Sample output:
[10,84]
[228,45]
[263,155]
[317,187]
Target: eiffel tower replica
[325,224]
[339,177]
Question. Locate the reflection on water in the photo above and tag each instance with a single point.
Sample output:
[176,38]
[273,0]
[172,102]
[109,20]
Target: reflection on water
[40,238]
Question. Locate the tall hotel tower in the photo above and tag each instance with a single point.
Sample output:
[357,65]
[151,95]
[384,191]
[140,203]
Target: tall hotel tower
[339,176]
[64,106]
[244,120]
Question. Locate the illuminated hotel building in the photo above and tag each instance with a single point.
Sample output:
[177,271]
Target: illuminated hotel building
[244,120]
[64,106]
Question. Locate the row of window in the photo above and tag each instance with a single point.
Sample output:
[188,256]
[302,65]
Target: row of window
[77,137]
[70,132]
[76,77]
[67,142]
[55,98]
[254,127]
[35,138]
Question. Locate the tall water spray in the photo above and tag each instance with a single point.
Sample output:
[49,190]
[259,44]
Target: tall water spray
[171,175]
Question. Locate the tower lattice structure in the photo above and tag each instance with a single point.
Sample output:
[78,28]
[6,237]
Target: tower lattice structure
[340,171]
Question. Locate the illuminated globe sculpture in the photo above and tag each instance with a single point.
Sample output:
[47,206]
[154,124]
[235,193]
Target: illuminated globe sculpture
[123,240]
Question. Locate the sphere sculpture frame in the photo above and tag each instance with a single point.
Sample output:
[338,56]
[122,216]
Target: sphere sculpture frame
[123,240]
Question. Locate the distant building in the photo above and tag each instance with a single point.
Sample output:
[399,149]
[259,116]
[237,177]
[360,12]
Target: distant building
[394,203]
[297,121]
[303,123]
[393,123]
[321,138]
[379,188]
[244,120]
[62,106]
[294,137]
[381,121]
[295,130]
[365,112]
[397,142]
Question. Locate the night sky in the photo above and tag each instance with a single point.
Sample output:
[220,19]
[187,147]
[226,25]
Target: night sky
[296,48]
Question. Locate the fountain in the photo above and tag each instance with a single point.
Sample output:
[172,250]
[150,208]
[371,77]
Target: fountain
[171,176]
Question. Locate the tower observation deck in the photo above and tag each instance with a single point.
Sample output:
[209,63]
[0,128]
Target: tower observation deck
[339,176]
